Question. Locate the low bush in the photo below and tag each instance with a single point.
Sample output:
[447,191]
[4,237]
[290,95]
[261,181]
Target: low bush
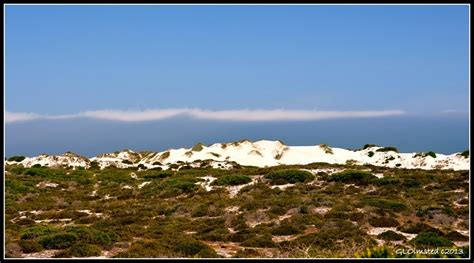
[385,204]
[37,231]
[465,154]
[326,148]
[30,246]
[390,235]
[232,180]
[157,174]
[370,153]
[259,241]
[197,147]
[289,176]
[352,176]
[415,228]
[387,149]
[456,236]
[16,158]
[194,247]
[430,153]
[431,239]
[285,230]
[58,241]
[369,146]
[80,249]
[383,222]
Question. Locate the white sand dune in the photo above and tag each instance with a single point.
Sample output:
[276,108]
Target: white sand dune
[262,153]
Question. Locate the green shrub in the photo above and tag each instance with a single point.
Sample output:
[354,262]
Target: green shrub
[16,158]
[58,241]
[232,180]
[369,145]
[385,204]
[127,162]
[259,241]
[326,148]
[370,153]
[390,235]
[352,176]
[387,149]
[158,174]
[289,176]
[456,236]
[192,247]
[197,147]
[419,227]
[94,165]
[165,155]
[30,246]
[385,181]
[431,239]
[465,154]
[411,182]
[80,249]
[173,166]
[432,154]
[285,230]
[37,231]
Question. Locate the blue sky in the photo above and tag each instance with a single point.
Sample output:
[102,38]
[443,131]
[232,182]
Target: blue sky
[307,60]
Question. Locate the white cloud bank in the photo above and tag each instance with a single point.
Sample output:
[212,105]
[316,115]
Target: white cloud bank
[221,115]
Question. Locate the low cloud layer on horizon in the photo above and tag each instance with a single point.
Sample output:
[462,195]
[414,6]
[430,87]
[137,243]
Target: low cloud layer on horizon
[220,115]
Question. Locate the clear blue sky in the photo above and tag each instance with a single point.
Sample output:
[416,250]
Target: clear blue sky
[69,59]
[65,59]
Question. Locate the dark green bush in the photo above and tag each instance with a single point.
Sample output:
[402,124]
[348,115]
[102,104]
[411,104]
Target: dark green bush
[37,231]
[259,241]
[289,176]
[192,247]
[385,204]
[30,246]
[431,239]
[370,154]
[419,227]
[80,249]
[16,158]
[285,230]
[58,241]
[158,174]
[465,154]
[232,180]
[456,236]
[127,162]
[352,176]
[391,235]
[94,165]
[383,222]
[387,149]
[197,147]
[369,145]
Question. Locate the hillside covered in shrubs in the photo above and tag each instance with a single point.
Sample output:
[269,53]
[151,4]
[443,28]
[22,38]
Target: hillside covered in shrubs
[289,211]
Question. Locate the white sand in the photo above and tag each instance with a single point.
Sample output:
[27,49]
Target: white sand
[261,154]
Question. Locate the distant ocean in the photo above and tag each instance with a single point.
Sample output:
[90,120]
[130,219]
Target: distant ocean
[447,133]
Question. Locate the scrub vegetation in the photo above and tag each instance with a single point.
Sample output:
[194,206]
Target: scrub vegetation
[300,211]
